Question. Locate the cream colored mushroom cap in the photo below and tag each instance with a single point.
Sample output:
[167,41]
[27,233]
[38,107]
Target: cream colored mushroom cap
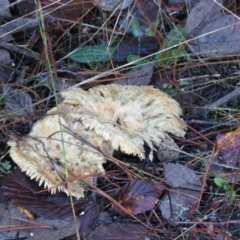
[42,155]
[127,116]
[111,117]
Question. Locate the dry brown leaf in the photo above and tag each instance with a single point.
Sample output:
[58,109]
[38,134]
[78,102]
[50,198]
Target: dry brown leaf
[17,101]
[23,192]
[143,76]
[138,196]
[119,231]
[228,148]
[177,175]
[179,204]
[14,223]
[168,150]
[216,33]
[201,15]
[225,163]
[111,117]
[88,218]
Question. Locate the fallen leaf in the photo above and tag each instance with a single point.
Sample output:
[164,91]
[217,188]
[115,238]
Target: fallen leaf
[141,46]
[143,75]
[201,15]
[179,205]
[177,175]
[119,231]
[220,170]
[14,223]
[182,200]
[168,150]
[148,15]
[228,148]
[138,196]
[23,192]
[216,33]
[18,101]
[89,217]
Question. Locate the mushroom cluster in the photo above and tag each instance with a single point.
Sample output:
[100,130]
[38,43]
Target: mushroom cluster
[112,117]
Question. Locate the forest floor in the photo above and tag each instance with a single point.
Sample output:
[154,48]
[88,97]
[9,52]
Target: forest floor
[188,188]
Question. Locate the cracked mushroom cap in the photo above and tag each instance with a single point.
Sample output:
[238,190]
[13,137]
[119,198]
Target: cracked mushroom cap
[42,156]
[127,116]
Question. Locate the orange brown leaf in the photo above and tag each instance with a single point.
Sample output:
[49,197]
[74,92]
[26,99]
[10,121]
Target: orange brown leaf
[138,196]
[228,148]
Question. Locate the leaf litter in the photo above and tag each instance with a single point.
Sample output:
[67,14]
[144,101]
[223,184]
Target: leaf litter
[120,230]
[18,100]
[138,196]
[168,150]
[179,201]
[215,33]
[26,193]
[225,163]
[184,195]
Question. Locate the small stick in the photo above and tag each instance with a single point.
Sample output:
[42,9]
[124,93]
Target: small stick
[225,99]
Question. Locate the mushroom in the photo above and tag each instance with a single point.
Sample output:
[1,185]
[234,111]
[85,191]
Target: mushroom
[127,116]
[112,117]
